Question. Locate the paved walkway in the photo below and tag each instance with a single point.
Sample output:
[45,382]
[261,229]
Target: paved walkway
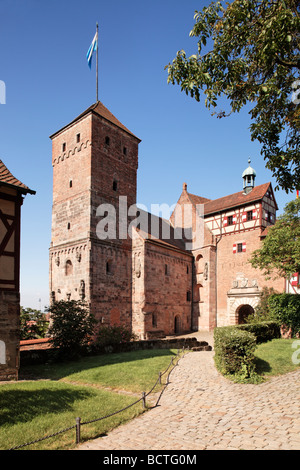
[200,409]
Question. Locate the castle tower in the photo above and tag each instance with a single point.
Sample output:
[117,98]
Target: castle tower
[95,161]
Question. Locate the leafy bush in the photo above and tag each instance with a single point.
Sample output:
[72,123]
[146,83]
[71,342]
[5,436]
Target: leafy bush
[263,331]
[111,335]
[234,351]
[285,308]
[72,327]
[262,310]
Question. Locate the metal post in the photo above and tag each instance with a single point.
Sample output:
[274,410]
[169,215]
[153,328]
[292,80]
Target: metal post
[78,430]
[144,400]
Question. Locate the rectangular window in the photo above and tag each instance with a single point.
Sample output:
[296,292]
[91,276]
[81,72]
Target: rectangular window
[230,220]
[78,138]
[64,147]
[249,215]
[239,247]
[188,296]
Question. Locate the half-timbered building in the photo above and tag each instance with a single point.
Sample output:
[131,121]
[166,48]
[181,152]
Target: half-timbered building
[12,192]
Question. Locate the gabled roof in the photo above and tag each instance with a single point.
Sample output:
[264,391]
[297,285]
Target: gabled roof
[7,179]
[236,199]
[101,110]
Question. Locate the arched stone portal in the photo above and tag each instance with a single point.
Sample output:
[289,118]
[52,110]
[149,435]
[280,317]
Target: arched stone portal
[243,312]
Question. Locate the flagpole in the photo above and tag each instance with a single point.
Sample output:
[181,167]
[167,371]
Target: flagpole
[97,66]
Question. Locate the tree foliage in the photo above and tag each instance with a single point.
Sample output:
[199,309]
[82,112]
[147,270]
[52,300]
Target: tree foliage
[33,324]
[254,59]
[280,251]
[71,327]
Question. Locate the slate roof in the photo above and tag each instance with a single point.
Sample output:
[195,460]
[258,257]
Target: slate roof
[101,110]
[7,179]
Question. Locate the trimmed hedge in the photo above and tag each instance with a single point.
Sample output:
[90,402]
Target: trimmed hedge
[263,331]
[234,351]
[235,346]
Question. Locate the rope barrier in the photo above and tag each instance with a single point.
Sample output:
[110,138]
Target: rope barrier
[80,423]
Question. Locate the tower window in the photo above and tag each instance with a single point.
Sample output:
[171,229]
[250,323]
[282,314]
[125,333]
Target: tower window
[115,185]
[167,269]
[64,147]
[78,138]
[70,184]
[249,215]
[107,140]
[68,267]
[109,267]
[125,150]
[188,295]
[69,225]
[239,247]
[230,220]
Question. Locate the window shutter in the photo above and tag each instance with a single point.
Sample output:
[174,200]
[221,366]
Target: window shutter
[294,279]
[254,214]
[244,217]
[225,222]
[234,248]
[234,219]
[244,246]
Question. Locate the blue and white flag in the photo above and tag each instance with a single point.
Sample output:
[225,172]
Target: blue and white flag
[92,48]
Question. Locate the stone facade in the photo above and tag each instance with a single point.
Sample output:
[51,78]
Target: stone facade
[155,276]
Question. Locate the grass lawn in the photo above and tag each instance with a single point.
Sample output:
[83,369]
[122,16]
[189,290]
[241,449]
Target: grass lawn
[53,395]
[275,357]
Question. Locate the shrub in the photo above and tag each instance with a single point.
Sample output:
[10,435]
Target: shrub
[285,308]
[263,331]
[234,351]
[111,335]
[262,311]
[71,327]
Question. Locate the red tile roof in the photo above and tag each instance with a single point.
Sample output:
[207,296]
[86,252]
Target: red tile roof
[101,110]
[231,201]
[7,179]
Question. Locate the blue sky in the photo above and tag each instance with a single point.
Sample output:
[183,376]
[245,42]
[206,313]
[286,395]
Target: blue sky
[43,47]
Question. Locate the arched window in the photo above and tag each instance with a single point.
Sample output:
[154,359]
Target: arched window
[68,267]
[199,264]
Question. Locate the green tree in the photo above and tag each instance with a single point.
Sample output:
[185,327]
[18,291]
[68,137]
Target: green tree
[280,251]
[33,324]
[249,52]
[71,327]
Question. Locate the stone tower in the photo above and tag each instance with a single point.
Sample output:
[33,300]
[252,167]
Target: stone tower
[95,161]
